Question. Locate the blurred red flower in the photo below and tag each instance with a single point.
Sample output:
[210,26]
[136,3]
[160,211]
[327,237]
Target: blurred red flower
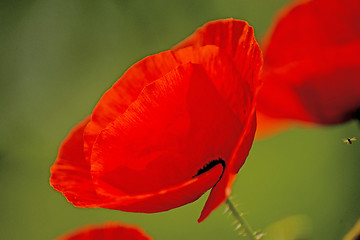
[107,231]
[311,64]
[172,127]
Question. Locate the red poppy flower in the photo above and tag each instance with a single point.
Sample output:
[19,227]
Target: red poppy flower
[311,63]
[107,231]
[175,125]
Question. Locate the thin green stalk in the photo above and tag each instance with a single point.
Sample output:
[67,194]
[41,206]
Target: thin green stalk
[248,231]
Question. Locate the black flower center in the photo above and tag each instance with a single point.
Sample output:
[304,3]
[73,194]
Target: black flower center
[208,166]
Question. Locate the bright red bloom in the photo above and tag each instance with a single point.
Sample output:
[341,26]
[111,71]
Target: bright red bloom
[107,231]
[175,125]
[312,64]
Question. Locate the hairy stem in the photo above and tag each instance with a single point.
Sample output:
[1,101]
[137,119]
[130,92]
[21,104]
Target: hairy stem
[248,231]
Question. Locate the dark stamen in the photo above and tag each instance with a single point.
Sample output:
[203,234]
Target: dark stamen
[356,114]
[210,165]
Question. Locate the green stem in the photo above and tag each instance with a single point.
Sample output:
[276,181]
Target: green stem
[250,233]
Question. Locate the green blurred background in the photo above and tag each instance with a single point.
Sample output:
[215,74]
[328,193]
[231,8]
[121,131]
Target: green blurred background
[58,57]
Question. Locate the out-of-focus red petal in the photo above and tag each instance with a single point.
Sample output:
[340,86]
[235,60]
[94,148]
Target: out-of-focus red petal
[70,173]
[323,89]
[306,27]
[235,38]
[177,125]
[311,64]
[107,231]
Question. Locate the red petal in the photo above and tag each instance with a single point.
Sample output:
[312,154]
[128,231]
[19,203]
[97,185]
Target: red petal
[107,231]
[235,38]
[311,63]
[177,125]
[166,199]
[222,190]
[118,98]
[234,88]
[70,174]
